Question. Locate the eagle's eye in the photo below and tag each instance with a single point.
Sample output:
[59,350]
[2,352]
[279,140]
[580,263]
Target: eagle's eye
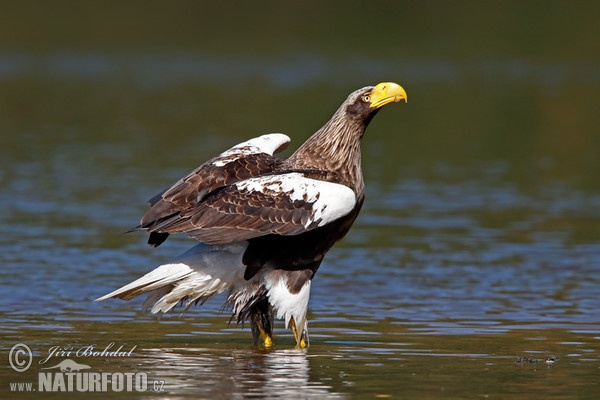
[366,98]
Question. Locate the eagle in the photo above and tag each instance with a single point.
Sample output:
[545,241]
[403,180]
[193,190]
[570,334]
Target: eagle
[264,223]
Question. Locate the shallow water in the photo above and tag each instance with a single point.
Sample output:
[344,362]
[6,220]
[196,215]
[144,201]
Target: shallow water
[472,271]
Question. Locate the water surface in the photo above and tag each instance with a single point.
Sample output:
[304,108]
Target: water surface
[472,271]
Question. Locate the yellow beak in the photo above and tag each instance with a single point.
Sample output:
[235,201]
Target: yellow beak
[385,93]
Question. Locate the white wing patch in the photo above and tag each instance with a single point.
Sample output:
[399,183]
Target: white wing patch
[270,144]
[330,201]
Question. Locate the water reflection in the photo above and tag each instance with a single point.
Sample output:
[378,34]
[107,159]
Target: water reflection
[248,373]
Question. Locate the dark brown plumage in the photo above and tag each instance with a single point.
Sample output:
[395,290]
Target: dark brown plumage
[266,223]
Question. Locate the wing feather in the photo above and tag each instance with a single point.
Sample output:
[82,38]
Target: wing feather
[245,160]
[242,194]
[284,204]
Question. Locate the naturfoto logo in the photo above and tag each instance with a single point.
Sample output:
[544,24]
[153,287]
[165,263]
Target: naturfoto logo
[69,375]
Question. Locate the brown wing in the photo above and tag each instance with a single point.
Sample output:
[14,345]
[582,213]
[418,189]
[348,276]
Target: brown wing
[284,204]
[233,214]
[177,201]
[243,161]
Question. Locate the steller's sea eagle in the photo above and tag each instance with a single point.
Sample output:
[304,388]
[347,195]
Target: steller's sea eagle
[264,223]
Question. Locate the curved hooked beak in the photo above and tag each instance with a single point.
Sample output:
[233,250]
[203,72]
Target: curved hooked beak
[387,92]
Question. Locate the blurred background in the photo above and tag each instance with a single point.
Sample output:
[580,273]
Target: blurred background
[483,191]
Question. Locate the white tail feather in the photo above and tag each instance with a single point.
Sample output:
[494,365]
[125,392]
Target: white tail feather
[160,277]
[200,273]
[206,270]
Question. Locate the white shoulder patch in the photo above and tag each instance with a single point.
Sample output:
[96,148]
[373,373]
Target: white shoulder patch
[329,200]
[270,144]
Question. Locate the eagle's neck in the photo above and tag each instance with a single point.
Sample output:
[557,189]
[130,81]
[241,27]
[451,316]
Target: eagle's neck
[334,149]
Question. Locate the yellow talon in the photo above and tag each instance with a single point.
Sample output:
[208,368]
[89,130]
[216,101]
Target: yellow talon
[300,342]
[261,324]
[267,339]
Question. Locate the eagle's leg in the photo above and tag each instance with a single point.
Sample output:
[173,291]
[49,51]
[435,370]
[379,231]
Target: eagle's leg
[302,337]
[261,323]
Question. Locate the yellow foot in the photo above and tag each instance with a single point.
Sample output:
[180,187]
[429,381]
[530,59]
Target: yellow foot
[268,340]
[301,342]
[266,337]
